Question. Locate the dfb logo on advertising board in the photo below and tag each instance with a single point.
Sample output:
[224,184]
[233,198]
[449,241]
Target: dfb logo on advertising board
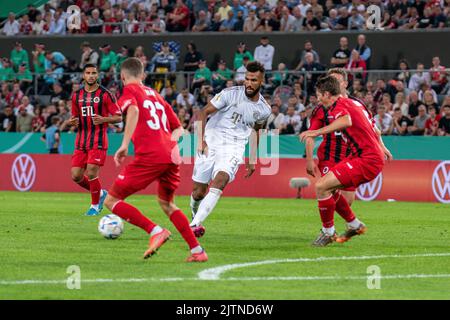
[370,190]
[441,182]
[23,172]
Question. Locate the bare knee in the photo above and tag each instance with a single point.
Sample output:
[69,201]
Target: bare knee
[322,190]
[220,181]
[199,191]
[349,196]
[92,173]
[77,175]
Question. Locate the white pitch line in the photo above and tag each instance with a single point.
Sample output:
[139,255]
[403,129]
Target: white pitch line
[292,278]
[215,273]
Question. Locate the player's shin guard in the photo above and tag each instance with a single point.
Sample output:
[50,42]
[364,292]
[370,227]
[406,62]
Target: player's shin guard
[207,205]
[343,208]
[132,215]
[326,209]
[181,222]
[96,189]
[84,183]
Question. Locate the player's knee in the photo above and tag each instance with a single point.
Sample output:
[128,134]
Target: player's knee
[77,177]
[220,181]
[91,174]
[199,193]
[110,201]
[320,187]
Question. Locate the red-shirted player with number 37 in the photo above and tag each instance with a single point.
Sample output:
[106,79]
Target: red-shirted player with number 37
[364,163]
[154,129]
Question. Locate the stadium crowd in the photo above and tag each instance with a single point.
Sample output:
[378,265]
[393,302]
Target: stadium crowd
[416,101]
[156,16]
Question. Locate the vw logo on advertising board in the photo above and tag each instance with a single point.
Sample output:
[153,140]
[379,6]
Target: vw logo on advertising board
[23,172]
[441,182]
[370,190]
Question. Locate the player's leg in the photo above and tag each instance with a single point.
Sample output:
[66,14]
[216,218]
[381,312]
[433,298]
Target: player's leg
[92,172]
[131,180]
[79,159]
[349,195]
[325,187]
[199,191]
[201,176]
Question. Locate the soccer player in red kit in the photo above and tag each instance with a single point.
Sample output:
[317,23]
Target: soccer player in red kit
[333,150]
[154,129]
[366,160]
[93,108]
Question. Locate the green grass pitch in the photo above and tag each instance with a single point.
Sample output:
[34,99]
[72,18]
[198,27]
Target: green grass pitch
[42,234]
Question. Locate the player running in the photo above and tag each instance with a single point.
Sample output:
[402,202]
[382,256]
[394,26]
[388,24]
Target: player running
[93,108]
[364,163]
[333,150]
[150,124]
[235,112]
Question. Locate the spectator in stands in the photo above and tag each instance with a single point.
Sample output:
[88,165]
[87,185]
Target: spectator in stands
[241,52]
[418,127]
[95,23]
[276,119]
[38,25]
[38,55]
[108,59]
[342,21]
[333,19]
[279,77]
[292,122]
[38,121]
[310,68]
[357,89]
[400,123]
[123,54]
[192,58]
[297,22]
[24,77]
[25,103]
[251,23]
[438,75]
[89,55]
[215,23]
[183,117]
[356,21]
[221,75]
[58,93]
[264,53]
[404,75]
[52,136]
[8,120]
[185,99]
[304,6]
[202,75]
[440,20]
[383,120]
[342,55]
[356,67]
[26,26]
[267,23]
[418,78]
[12,26]
[170,96]
[6,70]
[400,102]
[432,124]
[178,19]
[23,120]
[429,100]
[223,10]
[58,24]
[19,56]
[164,61]
[310,23]
[426,21]
[414,104]
[287,20]
[239,25]
[109,22]
[308,48]
[15,96]
[364,51]
[239,75]
[228,24]
[444,123]
[202,23]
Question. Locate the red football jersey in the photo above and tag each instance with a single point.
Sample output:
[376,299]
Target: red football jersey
[152,137]
[85,105]
[333,147]
[361,136]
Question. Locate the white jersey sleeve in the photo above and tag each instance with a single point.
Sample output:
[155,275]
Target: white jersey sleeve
[221,100]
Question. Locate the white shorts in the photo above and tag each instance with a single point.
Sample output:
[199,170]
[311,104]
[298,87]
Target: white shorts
[207,166]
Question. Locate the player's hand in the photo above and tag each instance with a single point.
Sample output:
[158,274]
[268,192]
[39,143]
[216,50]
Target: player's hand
[120,155]
[388,154]
[250,169]
[202,148]
[311,168]
[98,119]
[308,134]
[73,121]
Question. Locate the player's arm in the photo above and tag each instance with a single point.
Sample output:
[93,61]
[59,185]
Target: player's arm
[202,116]
[339,124]
[74,120]
[386,151]
[251,162]
[114,111]
[130,126]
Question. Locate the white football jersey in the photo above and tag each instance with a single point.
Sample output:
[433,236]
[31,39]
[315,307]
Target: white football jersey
[235,118]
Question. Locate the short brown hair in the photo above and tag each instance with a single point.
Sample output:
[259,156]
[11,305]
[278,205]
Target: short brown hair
[133,67]
[328,84]
[340,71]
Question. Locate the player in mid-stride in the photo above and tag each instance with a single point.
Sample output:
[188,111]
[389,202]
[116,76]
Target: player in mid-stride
[235,111]
[365,162]
[93,107]
[154,129]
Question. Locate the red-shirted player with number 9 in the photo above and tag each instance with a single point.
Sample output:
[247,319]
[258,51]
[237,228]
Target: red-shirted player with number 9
[154,129]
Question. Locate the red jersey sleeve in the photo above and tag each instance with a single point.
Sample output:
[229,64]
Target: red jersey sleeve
[113,107]
[127,99]
[75,111]
[316,121]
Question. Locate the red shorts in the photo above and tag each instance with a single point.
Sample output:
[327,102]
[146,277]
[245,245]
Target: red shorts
[356,171]
[137,176]
[81,158]
[325,166]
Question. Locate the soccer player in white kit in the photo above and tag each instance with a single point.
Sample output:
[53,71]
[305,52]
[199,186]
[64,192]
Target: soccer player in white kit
[235,112]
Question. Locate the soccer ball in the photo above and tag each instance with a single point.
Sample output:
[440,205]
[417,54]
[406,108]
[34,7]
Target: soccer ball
[110,226]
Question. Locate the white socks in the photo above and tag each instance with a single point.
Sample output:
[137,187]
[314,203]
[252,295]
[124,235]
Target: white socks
[206,206]
[354,224]
[197,249]
[329,231]
[155,230]
[95,206]
[194,206]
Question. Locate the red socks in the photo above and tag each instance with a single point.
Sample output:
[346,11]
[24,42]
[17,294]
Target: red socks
[84,183]
[180,222]
[133,216]
[326,209]
[95,188]
[343,208]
